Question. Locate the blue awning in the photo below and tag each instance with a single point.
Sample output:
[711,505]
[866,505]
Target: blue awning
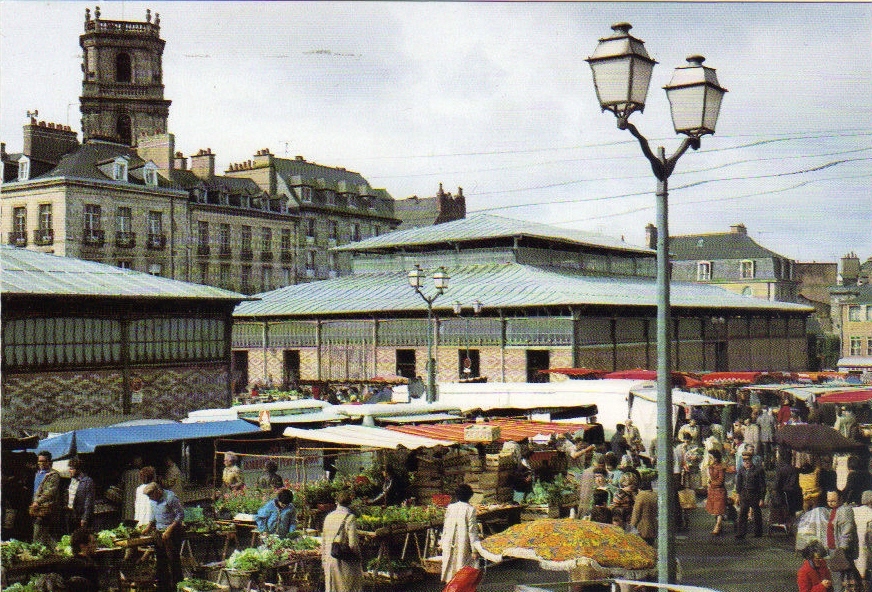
[88,440]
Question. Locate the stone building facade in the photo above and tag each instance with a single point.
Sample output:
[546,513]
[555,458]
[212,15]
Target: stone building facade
[126,197]
[733,261]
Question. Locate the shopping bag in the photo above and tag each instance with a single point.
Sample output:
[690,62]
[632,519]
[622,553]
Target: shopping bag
[466,579]
[687,498]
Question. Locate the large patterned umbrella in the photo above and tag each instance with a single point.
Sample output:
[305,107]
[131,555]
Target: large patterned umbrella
[566,544]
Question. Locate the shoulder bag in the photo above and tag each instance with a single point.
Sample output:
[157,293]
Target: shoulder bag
[340,549]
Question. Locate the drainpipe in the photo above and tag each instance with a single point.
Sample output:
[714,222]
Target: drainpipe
[502,346]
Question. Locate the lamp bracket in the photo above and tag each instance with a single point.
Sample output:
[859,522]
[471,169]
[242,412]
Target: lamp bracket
[662,167]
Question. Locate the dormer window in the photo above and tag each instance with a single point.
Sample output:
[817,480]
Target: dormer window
[306,194]
[149,174]
[703,271]
[23,168]
[747,269]
[119,169]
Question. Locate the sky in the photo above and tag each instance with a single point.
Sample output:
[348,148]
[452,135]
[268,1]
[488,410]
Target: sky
[496,98]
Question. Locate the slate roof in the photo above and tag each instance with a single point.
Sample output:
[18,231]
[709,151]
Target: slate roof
[310,171]
[231,185]
[85,161]
[714,246]
[26,272]
[416,211]
[862,295]
[497,285]
[481,227]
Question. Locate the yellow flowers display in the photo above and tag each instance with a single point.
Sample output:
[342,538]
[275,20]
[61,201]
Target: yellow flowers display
[567,539]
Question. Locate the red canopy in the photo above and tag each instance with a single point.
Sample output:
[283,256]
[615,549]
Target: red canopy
[510,429]
[718,378]
[575,372]
[683,379]
[847,396]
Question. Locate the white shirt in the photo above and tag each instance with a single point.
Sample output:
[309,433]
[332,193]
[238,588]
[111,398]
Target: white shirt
[142,507]
[74,486]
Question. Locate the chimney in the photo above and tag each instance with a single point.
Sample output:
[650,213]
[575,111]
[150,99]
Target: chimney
[263,157]
[651,236]
[180,163]
[203,164]
[159,149]
[738,229]
[850,269]
[48,142]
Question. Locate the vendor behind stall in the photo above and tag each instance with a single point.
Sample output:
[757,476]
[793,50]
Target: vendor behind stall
[278,516]
[393,488]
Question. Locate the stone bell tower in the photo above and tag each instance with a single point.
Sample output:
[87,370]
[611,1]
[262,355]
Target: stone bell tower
[122,86]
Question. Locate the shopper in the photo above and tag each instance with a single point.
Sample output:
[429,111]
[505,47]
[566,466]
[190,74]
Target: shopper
[167,522]
[459,534]
[346,574]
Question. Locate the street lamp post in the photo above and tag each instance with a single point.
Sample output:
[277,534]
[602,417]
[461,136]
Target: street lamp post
[440,281]
[622,73]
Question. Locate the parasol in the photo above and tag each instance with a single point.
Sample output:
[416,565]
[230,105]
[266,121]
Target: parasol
[568,544]
[814,438]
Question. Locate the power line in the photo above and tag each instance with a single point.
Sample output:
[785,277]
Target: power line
[678,188]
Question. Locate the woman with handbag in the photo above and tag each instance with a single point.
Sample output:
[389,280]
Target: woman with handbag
[459,534]
[340,548]
[716,501]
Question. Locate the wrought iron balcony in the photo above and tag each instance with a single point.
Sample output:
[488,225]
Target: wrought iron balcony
[125,240]
[203,250]
[18,239]
[156,242]
[93,237]
[43,236]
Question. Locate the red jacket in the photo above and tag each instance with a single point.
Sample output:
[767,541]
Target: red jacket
[809,579]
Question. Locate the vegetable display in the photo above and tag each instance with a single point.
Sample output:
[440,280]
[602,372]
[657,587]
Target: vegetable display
[16,551]
[295,545]
[196,584]
[252,559]
[374,517]
[561,540]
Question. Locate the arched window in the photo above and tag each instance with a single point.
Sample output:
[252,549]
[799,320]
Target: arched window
[123,129]
[122,68]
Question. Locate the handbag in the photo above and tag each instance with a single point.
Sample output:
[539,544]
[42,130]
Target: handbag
[341,550]
[687,498]
[839,561]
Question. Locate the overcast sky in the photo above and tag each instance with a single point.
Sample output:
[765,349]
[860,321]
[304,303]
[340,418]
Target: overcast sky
[496,98]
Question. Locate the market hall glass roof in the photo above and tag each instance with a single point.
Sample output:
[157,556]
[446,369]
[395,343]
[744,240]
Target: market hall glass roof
[499,283]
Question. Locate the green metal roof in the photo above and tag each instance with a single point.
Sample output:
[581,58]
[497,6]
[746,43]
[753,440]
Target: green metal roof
[498,285]
[721,245]
[481,227]
[26,272]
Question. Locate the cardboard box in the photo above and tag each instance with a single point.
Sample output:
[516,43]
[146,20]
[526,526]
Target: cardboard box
[481,433]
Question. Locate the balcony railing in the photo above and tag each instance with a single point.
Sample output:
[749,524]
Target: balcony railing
[286,255]
[125,240]
[93,237]
[266,256]
[224,252]
[246,254]
[156,242]
[203,250]
[18,239]
[43,236]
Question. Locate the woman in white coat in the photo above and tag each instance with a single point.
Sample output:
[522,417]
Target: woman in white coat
[341,575]
[862,518]
[459,534]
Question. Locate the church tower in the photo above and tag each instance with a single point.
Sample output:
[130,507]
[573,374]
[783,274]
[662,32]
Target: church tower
[122,88]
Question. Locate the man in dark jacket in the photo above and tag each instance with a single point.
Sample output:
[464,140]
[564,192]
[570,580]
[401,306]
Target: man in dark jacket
[80,497]
[45,505]
[751,489]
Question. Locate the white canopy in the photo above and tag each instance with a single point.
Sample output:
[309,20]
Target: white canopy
[684,398]
[365,437]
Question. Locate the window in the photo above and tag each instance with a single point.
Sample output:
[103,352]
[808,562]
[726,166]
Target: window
[123,220]
[19,221]
[286,276]
[355,232]
[246,239]
[204,273]
[266,278]
[224,276]
[23,168]
[310,228]
[45,217]
[310,263]
[202,233]
[703,271]
[246,279]
[376,230]
[333,229]
[123,69]
[125,264]
[149,174]
[330,197]
[154,268]
[224,238]
[92,219]
[746,270]
[869,346]
[124,129]
[306,194]
[331,261]
[155,222]
[854,313]
[856,346]
[119,169]
[869,312]
[266,239]
[286,239]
